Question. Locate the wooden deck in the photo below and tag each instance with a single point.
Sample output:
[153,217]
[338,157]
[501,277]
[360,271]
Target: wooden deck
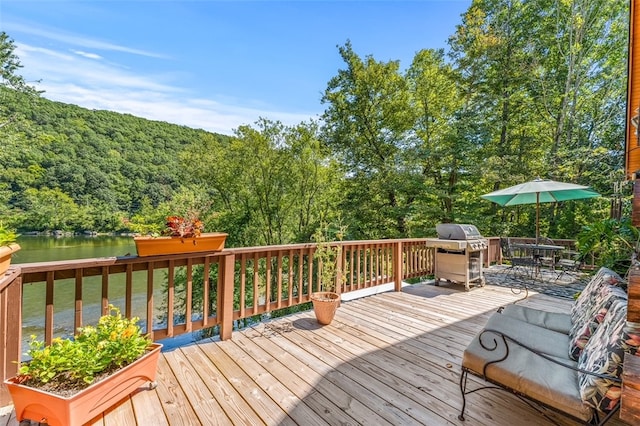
[393,358]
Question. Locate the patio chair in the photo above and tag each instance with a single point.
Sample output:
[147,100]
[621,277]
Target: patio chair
[547,257]
[569,264]
[519,260]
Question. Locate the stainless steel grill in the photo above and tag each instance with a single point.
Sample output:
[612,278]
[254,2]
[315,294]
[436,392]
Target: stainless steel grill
[459,254]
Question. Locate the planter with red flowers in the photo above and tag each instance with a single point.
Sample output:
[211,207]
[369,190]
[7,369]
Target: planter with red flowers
[182,235]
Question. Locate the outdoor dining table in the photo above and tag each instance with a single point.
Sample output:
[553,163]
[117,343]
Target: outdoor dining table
[538,251]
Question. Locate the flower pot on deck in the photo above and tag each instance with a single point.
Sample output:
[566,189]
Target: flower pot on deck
[154,246]
[5,256]
[55,410]
[325,304]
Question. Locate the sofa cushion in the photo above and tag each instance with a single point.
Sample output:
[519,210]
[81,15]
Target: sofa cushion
[604,354]
[537,338]
[526,373]
[556,321]
[580,333]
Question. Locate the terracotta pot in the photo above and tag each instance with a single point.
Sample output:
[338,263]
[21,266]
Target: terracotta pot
[55,410]
[5,256]
[154,246]
[325,304]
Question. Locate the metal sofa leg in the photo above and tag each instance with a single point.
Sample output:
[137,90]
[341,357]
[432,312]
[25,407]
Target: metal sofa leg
[608,417]
[463,388]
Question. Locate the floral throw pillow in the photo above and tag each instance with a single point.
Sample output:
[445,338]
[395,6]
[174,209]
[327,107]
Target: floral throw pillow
[582,309]
[581,331]
[604,354]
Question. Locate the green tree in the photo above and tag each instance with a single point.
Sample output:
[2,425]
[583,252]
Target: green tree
[268,185]
[545,81]
[367,123]
[9,75]
[445,152]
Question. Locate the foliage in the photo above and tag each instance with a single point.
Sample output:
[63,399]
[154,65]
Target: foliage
[525,90]
[328,255]
[369,130]
[186,227]
[9,77]
[66,364]
[7,236]
[615,244]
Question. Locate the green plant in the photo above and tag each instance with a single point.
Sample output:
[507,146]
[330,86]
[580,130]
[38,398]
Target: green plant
[68,365]
[7,236]
[175,226]
[328,254]
[614,243]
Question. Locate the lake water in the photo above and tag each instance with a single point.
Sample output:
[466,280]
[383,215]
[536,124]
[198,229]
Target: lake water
[43,249]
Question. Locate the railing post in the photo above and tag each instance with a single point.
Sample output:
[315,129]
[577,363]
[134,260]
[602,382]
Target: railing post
[630,395]
[225,294]
[10,327]
[398,262]
[339,269]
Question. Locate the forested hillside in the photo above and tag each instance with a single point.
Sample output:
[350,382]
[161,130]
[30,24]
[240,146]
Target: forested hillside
[69,168]
[527,89]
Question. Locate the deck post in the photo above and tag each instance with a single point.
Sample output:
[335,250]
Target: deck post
[630,395]
[398,261]
[11,327]
[225,295]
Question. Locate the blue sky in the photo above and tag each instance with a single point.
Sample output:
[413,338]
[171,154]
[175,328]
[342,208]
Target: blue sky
[212,64]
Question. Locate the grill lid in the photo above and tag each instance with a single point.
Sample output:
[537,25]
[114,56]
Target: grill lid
[456,231]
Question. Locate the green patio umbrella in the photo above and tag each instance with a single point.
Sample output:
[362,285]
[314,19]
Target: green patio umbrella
[540,191]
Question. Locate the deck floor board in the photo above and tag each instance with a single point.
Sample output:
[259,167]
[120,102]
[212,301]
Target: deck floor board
[393,358]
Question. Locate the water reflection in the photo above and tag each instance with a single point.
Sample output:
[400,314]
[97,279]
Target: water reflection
[42,249]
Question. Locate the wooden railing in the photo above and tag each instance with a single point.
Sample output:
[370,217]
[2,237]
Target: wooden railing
[179,294]
[10,326]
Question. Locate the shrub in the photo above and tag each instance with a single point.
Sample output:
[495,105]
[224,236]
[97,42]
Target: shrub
[95,352]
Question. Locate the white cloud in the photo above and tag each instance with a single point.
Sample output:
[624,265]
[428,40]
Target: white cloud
[87,55]
[81,80]
[75,40]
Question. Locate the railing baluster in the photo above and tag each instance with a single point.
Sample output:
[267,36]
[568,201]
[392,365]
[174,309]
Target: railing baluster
[206,287]
[256,282]
[128,299]
[243,284]
[48,316]
[310,271]
[77,320]
[105,291]
[279,281]
[351,256]
[149,312]
[300,273]
[189,297]
[171,288]
[267,288]
[290,280]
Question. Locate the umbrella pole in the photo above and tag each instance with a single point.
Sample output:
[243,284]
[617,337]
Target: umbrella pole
[537,217]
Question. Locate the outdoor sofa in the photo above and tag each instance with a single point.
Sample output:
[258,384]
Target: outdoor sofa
[568,362]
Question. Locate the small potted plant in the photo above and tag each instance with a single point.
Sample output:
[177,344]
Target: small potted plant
[182,234]
[329,260]
[8,246]
[72,380]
